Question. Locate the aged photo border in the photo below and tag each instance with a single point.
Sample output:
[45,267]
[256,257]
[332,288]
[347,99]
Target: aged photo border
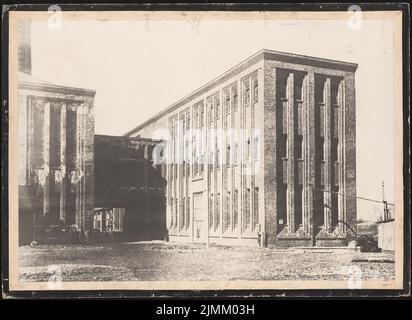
[177,288]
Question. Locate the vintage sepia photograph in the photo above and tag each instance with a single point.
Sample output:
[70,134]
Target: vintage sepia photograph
[205,150]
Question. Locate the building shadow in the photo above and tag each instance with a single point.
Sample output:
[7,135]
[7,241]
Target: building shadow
[130,201]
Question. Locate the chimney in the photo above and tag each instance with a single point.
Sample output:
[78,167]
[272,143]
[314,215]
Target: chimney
[24,38]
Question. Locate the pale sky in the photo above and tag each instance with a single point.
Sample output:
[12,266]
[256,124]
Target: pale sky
[140,67]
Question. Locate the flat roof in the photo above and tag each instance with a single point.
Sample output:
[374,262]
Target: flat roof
[262,54]
[28,82]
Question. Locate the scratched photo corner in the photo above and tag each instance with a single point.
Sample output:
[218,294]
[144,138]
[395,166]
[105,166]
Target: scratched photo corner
[168,150]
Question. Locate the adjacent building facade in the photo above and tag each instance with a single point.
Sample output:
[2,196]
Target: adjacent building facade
[262,155]
[129,192]
[56,131]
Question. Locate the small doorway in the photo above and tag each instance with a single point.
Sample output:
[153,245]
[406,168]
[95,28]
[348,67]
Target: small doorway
[199,218]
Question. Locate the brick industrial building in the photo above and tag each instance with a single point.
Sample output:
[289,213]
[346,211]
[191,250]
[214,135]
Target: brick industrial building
[56,131]
[263,154]
[69,177]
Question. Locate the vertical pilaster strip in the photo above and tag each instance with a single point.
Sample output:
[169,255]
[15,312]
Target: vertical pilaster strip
[63,163]
[260,174]
[224,218]
[328,161]
[349,150]
[146,190]
[46,158]
[304,154]
[252,154]
[178,199]
[78,187]
[270,152]
[168,180]
[310,153]
[208,167]
[222,166]
[232,150]
[89,163]
[241,107]
[340,157]
[291,154]
[30,132]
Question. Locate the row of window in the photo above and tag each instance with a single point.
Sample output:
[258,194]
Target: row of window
[198,114]
[184,212]
[300,171]
[230,218]
[109,220]
[334,124]
[335,174]
[38,114]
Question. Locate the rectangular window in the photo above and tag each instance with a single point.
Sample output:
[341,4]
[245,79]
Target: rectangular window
[322,148]
[172,217]
[255,91]
[284,116]
[217,155]
[334,151]
[235,209]
[113,221]
[300,172]
[299,143]
[228,155]
[211,209]
[248,150]
[321,120]
[247,208]
[194,116]
[336,122]
[71,125]
[227,103]
[322,173]
[188,213]
[235,99]
[202,115]
[256,146]
[176,171]
[217,107]
[300,118]
[217,211]
[200,153]
[336,173]
[246,92]
[55,139]
[211,114]
[283,146]
[227,211]
[235,152]
[182,214]
[188,121]
[256,208]
[285,171]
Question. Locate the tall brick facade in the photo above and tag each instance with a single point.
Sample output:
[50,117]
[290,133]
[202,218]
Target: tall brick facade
[264,154]
[56,142]
[56,131]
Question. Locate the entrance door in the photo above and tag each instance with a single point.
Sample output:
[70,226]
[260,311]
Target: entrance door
[199,218]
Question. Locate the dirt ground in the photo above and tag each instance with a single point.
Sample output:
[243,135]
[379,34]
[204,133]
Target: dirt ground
[167,261]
